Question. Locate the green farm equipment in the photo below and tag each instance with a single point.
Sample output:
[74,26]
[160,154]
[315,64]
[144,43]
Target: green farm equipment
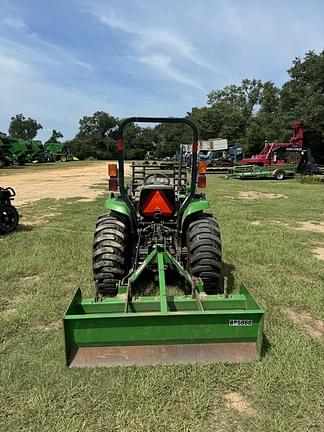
[59,152]
[37,152]
[160,295]
[20,150]
[5,151]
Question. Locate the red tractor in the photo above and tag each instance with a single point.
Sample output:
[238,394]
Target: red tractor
[270,153]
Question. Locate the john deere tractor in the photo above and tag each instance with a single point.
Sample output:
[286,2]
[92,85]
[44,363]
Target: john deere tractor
[158,208]
[157,234]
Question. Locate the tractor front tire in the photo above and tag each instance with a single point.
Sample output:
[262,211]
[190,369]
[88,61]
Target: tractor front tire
[205,252]
[109,253]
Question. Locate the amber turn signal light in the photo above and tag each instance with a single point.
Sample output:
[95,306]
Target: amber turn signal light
[202,167]
[112,170]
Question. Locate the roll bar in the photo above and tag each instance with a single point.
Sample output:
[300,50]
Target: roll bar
[120,148]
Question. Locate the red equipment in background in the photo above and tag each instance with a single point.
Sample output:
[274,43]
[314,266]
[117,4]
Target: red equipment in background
[266,155]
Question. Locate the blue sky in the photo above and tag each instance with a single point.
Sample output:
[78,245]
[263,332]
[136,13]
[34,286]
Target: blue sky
[60,60]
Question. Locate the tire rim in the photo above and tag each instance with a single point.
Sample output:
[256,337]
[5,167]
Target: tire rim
[7,220]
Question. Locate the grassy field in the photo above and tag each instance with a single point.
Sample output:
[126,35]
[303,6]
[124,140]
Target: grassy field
[49,256]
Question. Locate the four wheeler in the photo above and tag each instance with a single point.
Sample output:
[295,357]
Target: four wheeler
[9,216]
[159,296]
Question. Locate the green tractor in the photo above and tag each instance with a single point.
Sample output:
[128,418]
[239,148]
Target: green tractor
[58,152]
[157,266]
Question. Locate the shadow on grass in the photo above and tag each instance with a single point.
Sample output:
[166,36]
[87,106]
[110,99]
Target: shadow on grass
[227,271]
[24,228]
[266,346]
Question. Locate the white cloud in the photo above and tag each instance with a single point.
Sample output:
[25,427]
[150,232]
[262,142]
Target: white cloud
[109,17]
[13,23]
[148,42]
[11,66]
[28,46]
[163,66]
[146,57]
[54,106]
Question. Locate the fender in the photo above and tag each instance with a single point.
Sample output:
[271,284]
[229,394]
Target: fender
[118,205]
[195,206]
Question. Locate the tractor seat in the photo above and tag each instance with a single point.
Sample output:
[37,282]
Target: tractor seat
[155,199]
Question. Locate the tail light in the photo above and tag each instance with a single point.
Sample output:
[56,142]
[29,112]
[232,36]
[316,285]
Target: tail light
[201,183]
[113,184]
[112,170]
[113,177]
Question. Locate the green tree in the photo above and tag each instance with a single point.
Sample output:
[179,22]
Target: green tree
[208,120]
[139,140]
[56,135]
[221,120]
[269,98]
[25,128]
[100,123]
[266,124]
[244,97]
[169,138]
[302,97]
[95,136]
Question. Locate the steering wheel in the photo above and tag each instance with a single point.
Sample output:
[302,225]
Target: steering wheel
[157,178]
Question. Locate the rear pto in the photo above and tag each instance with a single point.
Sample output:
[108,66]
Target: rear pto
[159,293]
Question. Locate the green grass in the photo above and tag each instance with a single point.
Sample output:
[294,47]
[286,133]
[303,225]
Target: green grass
[42,265]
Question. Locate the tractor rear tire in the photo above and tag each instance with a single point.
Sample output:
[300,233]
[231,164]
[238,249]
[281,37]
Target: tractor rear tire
[109,253]
[205,252]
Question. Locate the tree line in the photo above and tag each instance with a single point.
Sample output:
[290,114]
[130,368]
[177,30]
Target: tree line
[247,115]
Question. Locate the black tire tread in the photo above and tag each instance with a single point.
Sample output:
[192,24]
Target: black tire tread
[109,250]
[205,252]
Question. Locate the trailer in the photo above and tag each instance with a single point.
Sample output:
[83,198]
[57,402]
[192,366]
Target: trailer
[293,161]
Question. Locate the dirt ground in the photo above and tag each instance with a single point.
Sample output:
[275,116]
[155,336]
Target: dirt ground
[256,195]
[305,321]
[65,182]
